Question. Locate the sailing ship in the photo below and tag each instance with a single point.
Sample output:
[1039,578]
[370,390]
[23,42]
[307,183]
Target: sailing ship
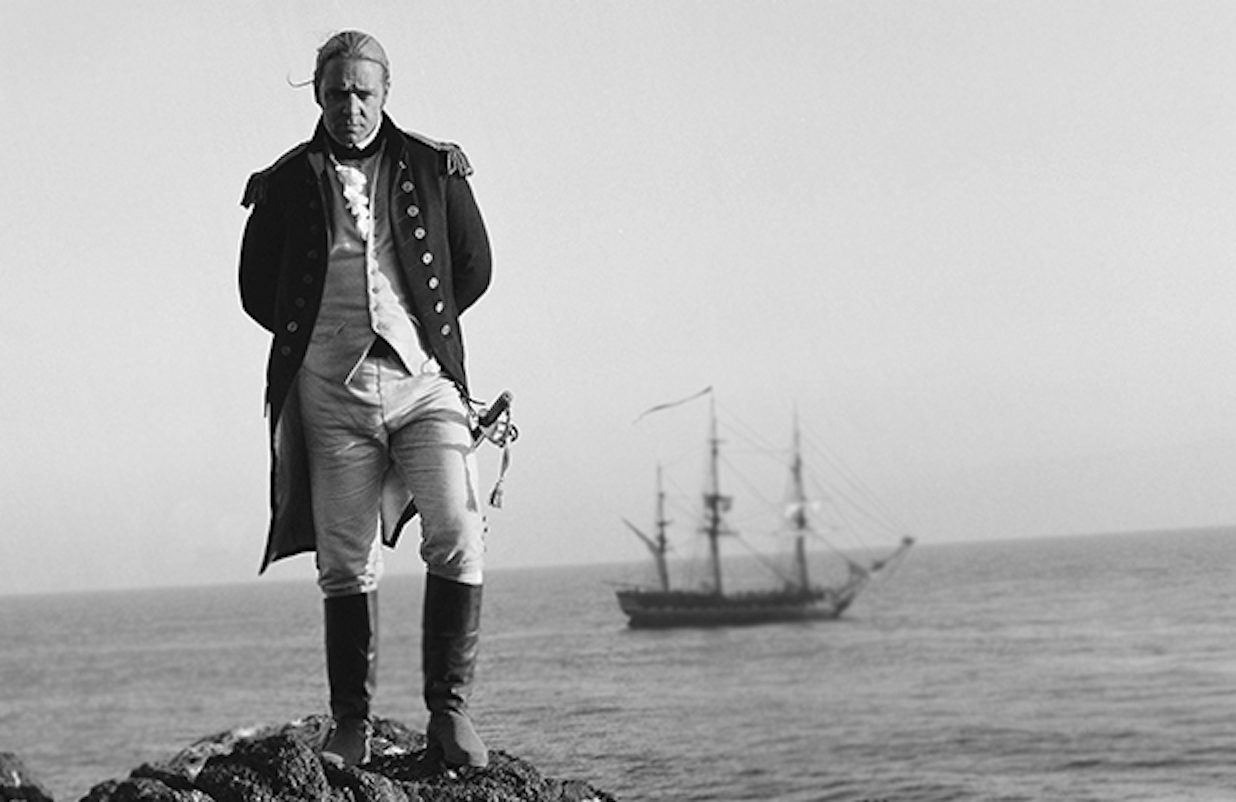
[797,599]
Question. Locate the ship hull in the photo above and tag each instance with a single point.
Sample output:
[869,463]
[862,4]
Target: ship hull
[651,609]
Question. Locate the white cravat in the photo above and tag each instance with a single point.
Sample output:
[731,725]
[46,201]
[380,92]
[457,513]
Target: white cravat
[357,198]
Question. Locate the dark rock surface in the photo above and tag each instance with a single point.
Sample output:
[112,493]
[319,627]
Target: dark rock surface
[16,781]
[283,764]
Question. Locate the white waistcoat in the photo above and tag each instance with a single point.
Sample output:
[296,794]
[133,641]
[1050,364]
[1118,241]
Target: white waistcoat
[363,296]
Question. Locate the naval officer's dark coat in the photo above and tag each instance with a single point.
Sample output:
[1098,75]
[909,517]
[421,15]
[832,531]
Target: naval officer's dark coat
[444,258]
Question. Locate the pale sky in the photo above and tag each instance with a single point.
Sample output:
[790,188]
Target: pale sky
[985,248]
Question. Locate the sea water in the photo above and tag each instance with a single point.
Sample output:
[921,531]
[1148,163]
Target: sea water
[1081,668]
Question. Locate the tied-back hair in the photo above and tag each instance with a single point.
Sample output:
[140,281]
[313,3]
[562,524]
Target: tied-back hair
[353,45]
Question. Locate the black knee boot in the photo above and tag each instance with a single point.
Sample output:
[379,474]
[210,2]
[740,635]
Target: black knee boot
[352,672]
[450,632]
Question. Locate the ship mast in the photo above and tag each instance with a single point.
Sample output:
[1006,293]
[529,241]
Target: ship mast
[798,517]
[714,503]
[657,544]
[661,543]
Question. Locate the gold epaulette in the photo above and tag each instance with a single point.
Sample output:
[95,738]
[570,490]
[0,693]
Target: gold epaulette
[255,188]
[456,162]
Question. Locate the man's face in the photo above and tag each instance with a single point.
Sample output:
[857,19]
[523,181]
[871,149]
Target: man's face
[351,93]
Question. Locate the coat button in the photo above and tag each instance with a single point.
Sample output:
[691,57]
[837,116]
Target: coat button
[419,233]
[293,326]
[433,282]
[407,186]
[308,278]
[446,329]
[311,254]
[439,306]
[427,258]
[413,211]
[300,303]
[286,350]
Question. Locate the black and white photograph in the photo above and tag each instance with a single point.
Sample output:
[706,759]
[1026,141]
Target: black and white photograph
[580,400]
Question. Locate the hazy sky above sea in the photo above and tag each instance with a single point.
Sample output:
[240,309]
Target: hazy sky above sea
[985,248]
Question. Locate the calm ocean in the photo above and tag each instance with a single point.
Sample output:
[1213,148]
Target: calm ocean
[1083,668]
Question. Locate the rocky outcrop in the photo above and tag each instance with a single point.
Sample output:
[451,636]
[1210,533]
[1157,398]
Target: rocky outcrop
[283,764]
[17,781]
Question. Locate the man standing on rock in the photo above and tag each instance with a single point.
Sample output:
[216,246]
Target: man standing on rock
[363,247]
